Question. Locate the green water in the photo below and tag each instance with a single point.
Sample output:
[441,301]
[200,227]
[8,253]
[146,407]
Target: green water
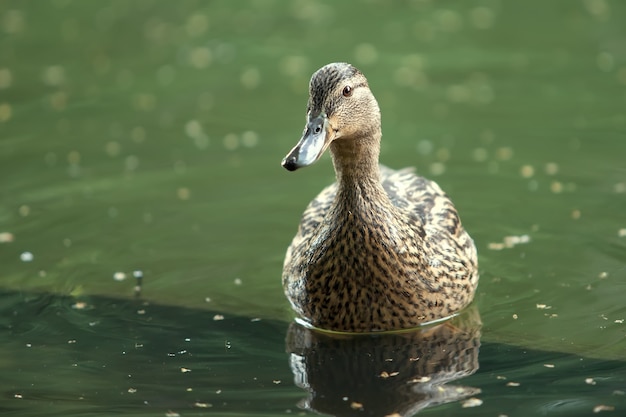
[147,135]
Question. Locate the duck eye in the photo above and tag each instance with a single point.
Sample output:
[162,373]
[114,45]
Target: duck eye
[347,91]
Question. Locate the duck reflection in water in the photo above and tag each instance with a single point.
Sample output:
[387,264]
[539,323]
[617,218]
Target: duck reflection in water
[385,374]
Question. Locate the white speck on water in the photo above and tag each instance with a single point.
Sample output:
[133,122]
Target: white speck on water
[26,257]
[601,407]
[119,276]
[238,281]
[472,402]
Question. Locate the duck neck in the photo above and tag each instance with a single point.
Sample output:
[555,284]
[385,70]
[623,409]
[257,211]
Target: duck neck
[356,166]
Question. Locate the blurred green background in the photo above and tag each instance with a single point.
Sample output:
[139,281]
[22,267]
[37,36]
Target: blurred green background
[147,135]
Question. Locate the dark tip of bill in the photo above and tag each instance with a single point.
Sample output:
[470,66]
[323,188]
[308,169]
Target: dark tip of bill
[289,163]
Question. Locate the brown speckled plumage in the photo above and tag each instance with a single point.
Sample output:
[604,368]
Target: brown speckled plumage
[379,249]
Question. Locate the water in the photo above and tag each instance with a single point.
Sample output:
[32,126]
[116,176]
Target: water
[148,135]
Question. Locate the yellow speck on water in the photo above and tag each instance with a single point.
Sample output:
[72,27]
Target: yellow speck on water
[513,384]
[601,407]
[603,275]
[356,406]
[185,370]
[472,402]
[527,171]
[548,365]
[576,214]
[5,112]
[218,317]
[515,316]
[393,415]
[621,232]
[202,405]
[119,276]
[590,381]
[132,390]
[437,168]
[6,237]
[556,187]
[552,168]
[200,57]
[183,193]
[504,154]
[171,413]
[543,307]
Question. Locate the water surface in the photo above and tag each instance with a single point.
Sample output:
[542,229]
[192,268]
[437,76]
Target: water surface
[147,136]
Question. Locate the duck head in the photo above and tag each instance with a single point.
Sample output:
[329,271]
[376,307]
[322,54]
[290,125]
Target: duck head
[341,107]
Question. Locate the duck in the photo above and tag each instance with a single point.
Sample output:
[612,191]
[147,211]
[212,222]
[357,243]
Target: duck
[379,249]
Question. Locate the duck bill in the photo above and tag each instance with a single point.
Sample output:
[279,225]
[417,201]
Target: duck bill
[314,141]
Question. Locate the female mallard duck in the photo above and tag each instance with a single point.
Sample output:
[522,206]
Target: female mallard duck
[379,249]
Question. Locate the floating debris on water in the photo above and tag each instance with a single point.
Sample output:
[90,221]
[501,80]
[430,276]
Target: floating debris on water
[202,405]
[356,405]
[601,407]
[472,402]
[385,374]
[527,171]
[620,232]
[548,365]
[515,316]
[509,242]
[119,276]
[79,305]
[238,281]
[590,381]
[6,237]
[576,214]
[185,370]
[543,307]
[513,384]
[218,317]
[26,257]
